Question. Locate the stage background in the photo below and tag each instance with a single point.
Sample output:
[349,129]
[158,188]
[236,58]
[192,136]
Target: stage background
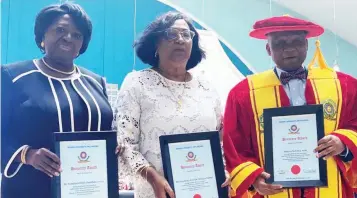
[110,52]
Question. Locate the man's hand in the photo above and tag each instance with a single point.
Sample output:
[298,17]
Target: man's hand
[266,189]
[329,146]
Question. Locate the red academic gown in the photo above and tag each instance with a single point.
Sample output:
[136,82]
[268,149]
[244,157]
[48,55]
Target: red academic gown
[243,138]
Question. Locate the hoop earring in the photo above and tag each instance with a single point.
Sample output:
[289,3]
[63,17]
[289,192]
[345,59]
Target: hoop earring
[156,54]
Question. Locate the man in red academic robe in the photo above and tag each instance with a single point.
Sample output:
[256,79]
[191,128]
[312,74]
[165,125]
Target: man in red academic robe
[290,84]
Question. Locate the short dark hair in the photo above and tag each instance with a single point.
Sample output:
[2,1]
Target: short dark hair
[46,17]
[146,45]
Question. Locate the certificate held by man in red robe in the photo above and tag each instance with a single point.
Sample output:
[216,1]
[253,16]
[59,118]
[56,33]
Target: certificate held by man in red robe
[291,135]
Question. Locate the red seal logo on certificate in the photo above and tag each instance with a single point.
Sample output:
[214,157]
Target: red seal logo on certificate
[294,129]
[191,157]
[295,169]
[197,196]
[83,157]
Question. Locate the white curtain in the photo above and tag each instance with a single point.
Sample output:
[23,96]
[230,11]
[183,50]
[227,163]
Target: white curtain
[217,67]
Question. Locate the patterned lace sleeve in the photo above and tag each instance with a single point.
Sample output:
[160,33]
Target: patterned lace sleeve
[218,111]
[126,123]
[219,117]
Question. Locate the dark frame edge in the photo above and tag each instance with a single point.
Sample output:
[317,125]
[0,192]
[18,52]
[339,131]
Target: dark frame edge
[294,110]
[213,137]
[112,162]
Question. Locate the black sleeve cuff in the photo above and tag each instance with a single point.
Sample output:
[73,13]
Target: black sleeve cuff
[349,157]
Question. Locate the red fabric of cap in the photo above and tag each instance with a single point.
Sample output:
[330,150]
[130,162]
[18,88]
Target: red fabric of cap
[284,23]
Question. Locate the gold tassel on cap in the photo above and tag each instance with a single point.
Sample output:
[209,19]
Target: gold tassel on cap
[318,58]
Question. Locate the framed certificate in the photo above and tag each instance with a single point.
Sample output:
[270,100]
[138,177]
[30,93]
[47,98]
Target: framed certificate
[193,164]
[89,165]
[290,137]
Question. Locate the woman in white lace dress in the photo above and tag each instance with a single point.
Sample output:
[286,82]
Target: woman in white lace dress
[165,99]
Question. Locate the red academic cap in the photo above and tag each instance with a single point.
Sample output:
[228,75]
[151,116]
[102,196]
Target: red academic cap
[284,23]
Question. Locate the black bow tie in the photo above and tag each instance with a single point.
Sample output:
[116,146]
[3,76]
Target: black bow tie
[285,77]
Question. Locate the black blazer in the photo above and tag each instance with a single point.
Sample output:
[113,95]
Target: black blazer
[33,106]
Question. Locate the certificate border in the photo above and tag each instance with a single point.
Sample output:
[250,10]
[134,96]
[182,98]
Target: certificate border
[213,137]
[286,111]
[112,163]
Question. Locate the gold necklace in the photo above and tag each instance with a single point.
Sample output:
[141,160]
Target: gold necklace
[180,97]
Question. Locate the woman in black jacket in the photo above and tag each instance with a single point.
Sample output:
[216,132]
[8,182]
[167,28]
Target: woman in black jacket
[47,95]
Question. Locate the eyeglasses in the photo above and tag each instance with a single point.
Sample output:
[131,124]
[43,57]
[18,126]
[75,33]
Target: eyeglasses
[173,34]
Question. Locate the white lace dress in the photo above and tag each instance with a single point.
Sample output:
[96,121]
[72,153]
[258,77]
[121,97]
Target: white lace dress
[148,107]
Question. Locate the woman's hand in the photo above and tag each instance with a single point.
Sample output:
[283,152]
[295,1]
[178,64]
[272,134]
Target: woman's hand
[227,182]
[45,161]
[120,149]
[159,184]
